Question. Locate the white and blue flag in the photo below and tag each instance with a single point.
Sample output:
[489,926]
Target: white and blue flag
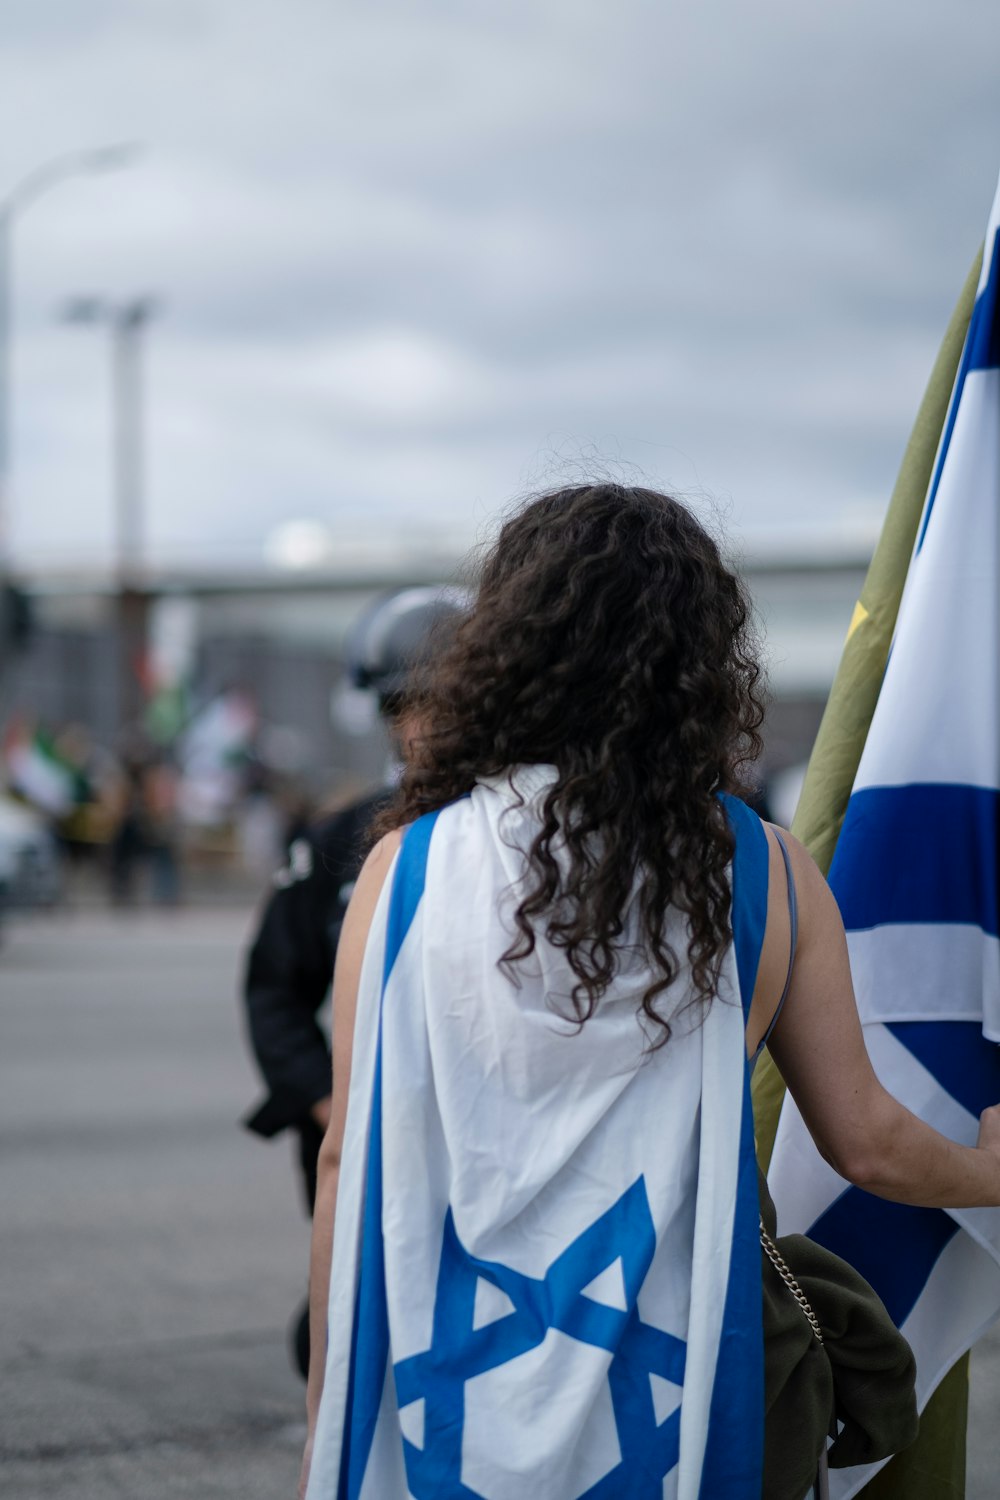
[916,877]
[546,1264]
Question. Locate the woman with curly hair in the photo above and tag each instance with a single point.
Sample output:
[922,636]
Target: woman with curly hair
[562,952]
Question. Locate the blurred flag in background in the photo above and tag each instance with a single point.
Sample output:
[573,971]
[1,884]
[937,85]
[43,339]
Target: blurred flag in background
[212,752]
[36,771]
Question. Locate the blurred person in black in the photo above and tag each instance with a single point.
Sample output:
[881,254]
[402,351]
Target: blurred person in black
[145,828]
[290,965]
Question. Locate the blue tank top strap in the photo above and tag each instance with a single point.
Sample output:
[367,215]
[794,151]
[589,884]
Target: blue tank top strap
[750,882]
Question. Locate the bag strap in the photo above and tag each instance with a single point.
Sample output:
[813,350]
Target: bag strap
[770,1248]
[779,1263]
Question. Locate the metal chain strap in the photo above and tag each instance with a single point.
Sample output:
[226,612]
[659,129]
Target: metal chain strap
[775,1257]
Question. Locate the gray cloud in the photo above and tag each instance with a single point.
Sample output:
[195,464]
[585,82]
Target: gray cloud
[407,251]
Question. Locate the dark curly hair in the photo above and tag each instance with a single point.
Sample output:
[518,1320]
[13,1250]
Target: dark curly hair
[609,639]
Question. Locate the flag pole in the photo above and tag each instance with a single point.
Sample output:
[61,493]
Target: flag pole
[844,728]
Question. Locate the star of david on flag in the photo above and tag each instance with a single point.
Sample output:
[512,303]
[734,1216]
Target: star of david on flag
[490,1318]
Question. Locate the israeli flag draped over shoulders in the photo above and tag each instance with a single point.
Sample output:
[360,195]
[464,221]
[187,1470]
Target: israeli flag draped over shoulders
[546,1264]
[916,876]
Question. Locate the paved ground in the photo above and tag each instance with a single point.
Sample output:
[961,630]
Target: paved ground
[152,1252]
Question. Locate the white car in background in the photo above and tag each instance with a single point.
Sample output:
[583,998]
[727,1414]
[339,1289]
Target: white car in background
[29,859]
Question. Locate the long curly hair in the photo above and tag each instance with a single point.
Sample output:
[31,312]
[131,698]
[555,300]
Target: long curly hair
[609,639]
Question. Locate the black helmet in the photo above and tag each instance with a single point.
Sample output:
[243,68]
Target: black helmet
[397,633]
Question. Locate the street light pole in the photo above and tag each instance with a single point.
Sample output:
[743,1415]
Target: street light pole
[127,322]
[30,188]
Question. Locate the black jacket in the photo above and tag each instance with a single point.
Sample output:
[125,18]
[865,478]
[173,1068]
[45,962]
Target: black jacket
[291,965]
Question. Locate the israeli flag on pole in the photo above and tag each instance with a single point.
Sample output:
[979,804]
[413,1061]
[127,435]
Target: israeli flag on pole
[917,876]
[546,1263]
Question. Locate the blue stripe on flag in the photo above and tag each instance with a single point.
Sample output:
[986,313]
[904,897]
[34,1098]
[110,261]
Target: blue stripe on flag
[981,352]
[734,1450]
[370,1334]
[750,881]
[984,329]
[926,852]
[407,887]
[894,1246]
[959,1058]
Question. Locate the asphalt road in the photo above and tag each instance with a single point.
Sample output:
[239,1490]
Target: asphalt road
[151,1252]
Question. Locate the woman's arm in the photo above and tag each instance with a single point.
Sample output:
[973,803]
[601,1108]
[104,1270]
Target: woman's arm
[860,1129]
[350,955]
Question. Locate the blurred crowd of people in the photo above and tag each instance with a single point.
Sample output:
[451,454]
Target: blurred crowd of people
[132,819]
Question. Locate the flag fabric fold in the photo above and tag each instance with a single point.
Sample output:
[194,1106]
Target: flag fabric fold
[546,1265]
[916,872]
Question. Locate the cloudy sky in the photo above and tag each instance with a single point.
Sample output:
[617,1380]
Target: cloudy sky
[414,258]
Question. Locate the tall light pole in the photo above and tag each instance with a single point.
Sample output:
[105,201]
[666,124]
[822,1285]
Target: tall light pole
[127,322]
[30,188]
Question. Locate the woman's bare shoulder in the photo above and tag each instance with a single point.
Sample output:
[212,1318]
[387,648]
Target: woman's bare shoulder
[809,879]
[382,853]
[373,872]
